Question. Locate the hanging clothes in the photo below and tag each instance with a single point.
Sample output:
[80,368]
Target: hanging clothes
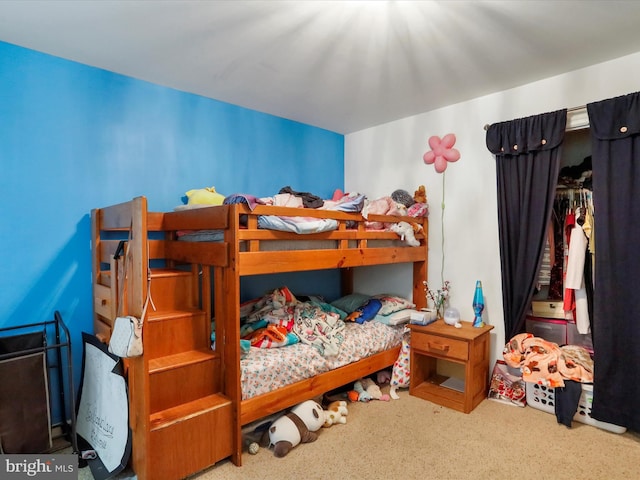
[569,296]
[574,279]
[548,259]
[589,231]
[557,266]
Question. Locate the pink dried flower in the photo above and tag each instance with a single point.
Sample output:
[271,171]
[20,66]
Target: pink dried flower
[437,297]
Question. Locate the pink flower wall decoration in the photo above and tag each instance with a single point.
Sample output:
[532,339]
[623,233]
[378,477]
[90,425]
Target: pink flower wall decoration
[441,152]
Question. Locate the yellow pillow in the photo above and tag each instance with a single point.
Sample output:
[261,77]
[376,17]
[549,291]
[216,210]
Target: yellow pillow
[204,196]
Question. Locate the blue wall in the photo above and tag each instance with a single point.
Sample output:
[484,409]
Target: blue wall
[74,137]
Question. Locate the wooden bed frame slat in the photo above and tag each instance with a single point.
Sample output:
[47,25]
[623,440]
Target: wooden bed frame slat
[254,263]
[212,254]
[204,218]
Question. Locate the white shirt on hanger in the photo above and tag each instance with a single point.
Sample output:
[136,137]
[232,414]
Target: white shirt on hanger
[574,278]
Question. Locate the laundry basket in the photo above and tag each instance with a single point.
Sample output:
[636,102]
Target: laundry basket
[542,398]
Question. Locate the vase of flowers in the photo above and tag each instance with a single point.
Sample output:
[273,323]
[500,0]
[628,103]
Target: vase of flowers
[438,298]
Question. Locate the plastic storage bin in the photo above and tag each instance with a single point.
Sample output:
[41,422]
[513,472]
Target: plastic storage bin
[576,338]
[550,329]
[542,398]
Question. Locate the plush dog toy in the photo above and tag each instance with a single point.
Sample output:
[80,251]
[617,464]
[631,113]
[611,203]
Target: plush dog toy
[297,426]
[359,394]
[374,390]
[336,412]
[406,233]
[420,195]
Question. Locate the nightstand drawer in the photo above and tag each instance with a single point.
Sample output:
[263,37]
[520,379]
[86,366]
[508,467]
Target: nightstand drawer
[441,346]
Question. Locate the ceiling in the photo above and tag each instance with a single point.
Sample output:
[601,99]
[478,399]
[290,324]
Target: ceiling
[339,65]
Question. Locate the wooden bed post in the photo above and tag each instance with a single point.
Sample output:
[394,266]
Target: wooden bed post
[421,268]
[346,283]
[227,287]
[138,378]
[419,275]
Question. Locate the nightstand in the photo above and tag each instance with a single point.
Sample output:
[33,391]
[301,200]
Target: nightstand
[466,347]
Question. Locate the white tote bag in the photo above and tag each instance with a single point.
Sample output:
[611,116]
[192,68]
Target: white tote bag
[126,337]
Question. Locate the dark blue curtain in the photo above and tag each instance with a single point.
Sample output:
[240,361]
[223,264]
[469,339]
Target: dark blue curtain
[615,137]
[527,152]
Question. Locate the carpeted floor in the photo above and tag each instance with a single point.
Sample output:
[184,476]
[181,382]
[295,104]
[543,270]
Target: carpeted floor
[412,438]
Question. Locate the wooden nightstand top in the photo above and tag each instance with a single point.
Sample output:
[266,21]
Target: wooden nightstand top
[466,332]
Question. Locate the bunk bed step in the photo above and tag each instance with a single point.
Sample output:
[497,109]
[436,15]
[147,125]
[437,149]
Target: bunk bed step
[190,437]
[167,314]
[169,272]
[182,413]
[182,378]
[173,289]
[175,331]
[180,359]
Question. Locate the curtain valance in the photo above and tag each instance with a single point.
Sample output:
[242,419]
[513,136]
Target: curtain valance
[615,118]
[529,134]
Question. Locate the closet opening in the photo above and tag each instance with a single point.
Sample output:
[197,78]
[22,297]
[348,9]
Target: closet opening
[558,313]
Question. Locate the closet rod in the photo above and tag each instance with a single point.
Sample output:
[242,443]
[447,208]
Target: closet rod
[569,110]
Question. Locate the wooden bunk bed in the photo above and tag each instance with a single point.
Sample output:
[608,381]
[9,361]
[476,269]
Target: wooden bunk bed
[185,401]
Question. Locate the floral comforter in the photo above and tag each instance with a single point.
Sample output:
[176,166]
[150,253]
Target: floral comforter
[267,369]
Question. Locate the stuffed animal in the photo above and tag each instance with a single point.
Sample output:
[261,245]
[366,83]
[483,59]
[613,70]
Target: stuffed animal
[336,412]
[204,196]
[365,312]
[382,206]
[418,210]
[298,426]
[374,390]
[383,376]
[406,233]
[420,195]
[359,394]
[403,197]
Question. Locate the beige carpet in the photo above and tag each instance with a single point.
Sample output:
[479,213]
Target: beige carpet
[412,438]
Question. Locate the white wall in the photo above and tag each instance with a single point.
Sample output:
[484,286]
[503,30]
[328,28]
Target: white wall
[381,159]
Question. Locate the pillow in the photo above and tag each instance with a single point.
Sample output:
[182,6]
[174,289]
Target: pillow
[349,303]
[395,318]
[204,196]
[392,303]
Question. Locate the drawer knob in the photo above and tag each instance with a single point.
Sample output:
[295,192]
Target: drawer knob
[438,346]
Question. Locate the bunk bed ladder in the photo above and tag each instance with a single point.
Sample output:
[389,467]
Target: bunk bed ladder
[190,419]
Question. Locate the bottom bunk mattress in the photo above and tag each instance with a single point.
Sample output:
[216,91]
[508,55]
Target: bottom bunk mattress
[266,369]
